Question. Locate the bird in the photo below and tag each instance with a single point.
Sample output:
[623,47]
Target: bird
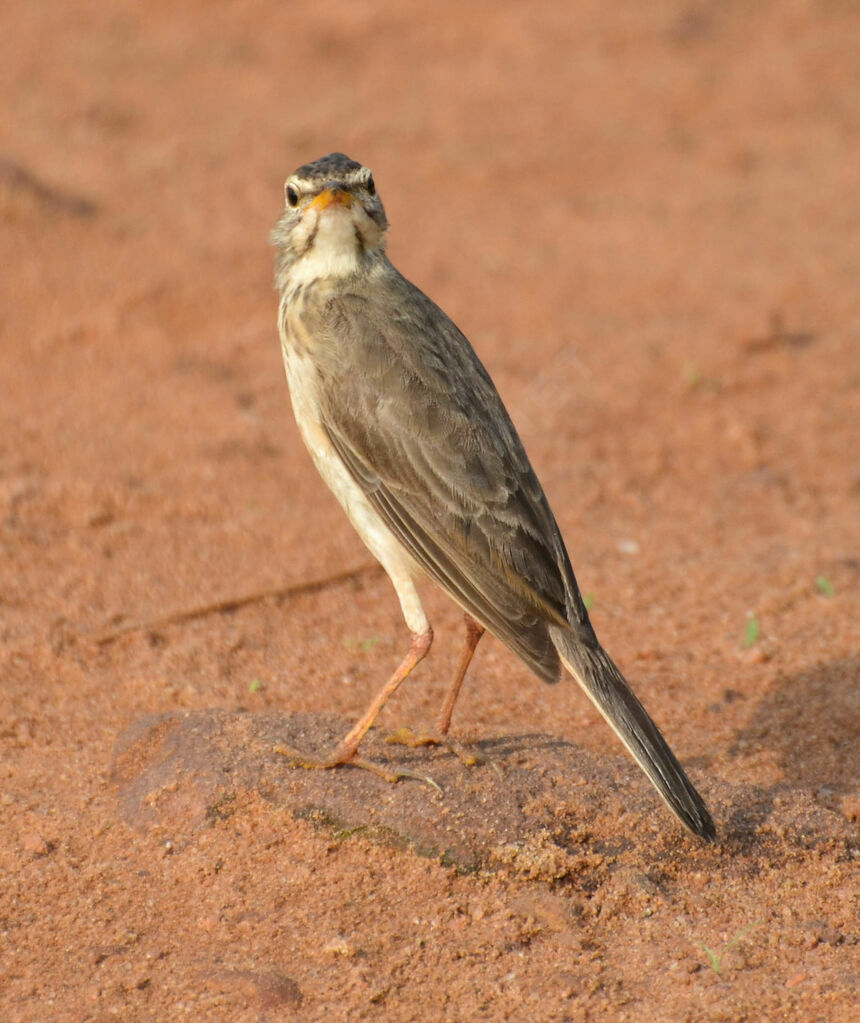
[407,429]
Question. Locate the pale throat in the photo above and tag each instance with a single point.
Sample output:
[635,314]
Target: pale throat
[335,250]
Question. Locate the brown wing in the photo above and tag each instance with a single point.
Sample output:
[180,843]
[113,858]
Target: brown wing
[421,428]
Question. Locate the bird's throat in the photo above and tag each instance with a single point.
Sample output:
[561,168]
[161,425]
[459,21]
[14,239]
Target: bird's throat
[334,248]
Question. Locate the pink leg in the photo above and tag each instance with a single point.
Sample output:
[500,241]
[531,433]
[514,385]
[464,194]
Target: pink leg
[347,749]
[474,631]
[439,737]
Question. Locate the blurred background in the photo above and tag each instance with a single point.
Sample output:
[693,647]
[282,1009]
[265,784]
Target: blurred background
[645,219]
[645,216]
[613,204]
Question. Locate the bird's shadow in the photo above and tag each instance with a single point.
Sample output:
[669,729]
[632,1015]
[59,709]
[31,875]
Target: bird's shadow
[811,720]
[532,787]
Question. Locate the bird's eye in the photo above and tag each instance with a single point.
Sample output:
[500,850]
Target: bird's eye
[292,196]
[370,186]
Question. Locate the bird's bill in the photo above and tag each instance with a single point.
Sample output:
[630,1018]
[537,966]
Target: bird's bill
[330,196]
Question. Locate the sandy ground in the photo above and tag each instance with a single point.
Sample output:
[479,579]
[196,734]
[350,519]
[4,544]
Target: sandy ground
[646,218]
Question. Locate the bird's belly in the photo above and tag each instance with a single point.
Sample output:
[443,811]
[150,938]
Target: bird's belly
[365,520]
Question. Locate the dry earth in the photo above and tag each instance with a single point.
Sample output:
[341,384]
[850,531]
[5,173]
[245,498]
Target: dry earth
[646,217]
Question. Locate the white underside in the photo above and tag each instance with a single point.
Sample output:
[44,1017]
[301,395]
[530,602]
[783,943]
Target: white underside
[361,513]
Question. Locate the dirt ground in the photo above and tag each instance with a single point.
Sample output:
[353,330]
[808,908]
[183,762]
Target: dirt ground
[647,219]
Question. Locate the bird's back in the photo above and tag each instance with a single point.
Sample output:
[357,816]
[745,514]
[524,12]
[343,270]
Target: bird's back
[419,424]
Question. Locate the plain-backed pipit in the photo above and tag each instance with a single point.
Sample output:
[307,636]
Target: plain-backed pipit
[405,426]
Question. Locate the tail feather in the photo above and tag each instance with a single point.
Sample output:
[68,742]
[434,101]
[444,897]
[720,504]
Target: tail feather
[604,684]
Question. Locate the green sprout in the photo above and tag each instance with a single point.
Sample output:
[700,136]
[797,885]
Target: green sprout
[715,960]
[751,633]
[824,585]
[362,644]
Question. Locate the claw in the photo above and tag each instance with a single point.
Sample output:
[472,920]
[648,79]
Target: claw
[406,737]
[301,759]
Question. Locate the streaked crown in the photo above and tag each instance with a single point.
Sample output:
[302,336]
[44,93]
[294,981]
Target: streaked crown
[334,167]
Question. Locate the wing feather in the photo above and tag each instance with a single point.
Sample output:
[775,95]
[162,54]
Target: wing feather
[420,427]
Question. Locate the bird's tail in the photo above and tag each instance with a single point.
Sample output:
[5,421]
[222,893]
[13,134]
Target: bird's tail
[595,671]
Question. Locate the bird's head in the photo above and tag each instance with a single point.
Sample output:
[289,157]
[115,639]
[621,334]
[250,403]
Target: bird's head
[333,224]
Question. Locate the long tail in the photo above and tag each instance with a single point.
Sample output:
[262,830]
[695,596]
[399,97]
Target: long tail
[595,671]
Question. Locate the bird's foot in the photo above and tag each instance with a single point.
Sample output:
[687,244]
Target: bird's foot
[406,737]
[340,757]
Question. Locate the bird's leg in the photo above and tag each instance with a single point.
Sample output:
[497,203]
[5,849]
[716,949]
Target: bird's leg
[418,648]
[345,752]
[439,737]
[474,631]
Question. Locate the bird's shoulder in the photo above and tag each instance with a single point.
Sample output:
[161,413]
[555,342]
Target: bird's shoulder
[422,428]
[396,366]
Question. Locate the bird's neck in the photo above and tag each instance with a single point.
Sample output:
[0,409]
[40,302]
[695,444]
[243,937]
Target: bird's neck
[335,253]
